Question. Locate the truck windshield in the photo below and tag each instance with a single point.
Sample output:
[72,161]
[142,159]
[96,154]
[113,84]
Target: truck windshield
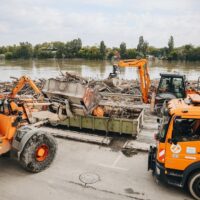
[186,129]
[163,128]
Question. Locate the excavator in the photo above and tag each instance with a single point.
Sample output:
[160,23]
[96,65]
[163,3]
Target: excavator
[34,149]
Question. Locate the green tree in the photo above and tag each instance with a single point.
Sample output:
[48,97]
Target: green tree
[102,50]
[142,46]
[44,51]
[154,51]
[59,48]
[24,50]
[45,54]
[9,55]
[145,48]
[173,55]
[122,50]
[112,52]
[72,48]
[3,50]
[171,44]
[131,53]
[92,53]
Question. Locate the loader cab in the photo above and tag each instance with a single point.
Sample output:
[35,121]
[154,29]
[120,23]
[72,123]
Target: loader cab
[171,86]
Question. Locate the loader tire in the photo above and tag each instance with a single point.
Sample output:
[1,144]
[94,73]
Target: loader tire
[38,153]
[194,185]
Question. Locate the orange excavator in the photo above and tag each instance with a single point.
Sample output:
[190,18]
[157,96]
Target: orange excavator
[33,148]
[143,72]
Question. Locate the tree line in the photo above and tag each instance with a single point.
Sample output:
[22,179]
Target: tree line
[75,49]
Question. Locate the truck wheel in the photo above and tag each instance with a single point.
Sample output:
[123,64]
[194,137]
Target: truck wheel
[194,185]
[38,153]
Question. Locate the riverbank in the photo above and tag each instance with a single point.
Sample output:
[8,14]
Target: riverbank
[75,49]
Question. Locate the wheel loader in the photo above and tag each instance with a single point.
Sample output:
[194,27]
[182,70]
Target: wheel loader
[171,86]
[176,157]
[34,149]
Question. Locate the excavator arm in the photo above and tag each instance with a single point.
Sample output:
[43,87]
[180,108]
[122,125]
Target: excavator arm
[143,72]
[20,85]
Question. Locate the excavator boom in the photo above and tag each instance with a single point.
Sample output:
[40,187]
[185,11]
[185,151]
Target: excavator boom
[143,71]
[20,85]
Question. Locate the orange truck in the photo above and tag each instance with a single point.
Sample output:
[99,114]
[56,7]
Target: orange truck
[176,157]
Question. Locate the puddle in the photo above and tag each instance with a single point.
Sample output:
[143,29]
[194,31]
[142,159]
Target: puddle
[129,152]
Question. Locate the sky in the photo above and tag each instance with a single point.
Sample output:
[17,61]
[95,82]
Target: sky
[113,21]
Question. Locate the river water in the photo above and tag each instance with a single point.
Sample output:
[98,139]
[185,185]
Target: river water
[93,69]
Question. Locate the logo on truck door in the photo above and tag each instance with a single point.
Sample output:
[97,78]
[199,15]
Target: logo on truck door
[175,148]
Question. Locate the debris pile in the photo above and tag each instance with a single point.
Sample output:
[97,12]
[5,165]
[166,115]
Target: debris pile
[114,85]
[71,96]
[73,78]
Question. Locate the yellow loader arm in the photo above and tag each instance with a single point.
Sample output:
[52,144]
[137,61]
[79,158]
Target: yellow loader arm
[20,85]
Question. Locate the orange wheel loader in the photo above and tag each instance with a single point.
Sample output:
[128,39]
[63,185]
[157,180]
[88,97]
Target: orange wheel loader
[176,157]
[33,148]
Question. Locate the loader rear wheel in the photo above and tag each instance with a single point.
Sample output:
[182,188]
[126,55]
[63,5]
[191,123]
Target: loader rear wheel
[194,185]
[38,153]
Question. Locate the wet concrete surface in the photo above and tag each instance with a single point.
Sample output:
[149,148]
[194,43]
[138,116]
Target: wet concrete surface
[120,177]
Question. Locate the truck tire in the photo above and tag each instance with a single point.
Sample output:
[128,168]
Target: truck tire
[152,159]
[38,153]
[194,185]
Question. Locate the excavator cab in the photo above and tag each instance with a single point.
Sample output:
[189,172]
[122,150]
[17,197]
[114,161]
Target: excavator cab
[115,72]
[171,86]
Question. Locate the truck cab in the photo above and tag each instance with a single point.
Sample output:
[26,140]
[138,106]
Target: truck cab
[171,86]
[176,157]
